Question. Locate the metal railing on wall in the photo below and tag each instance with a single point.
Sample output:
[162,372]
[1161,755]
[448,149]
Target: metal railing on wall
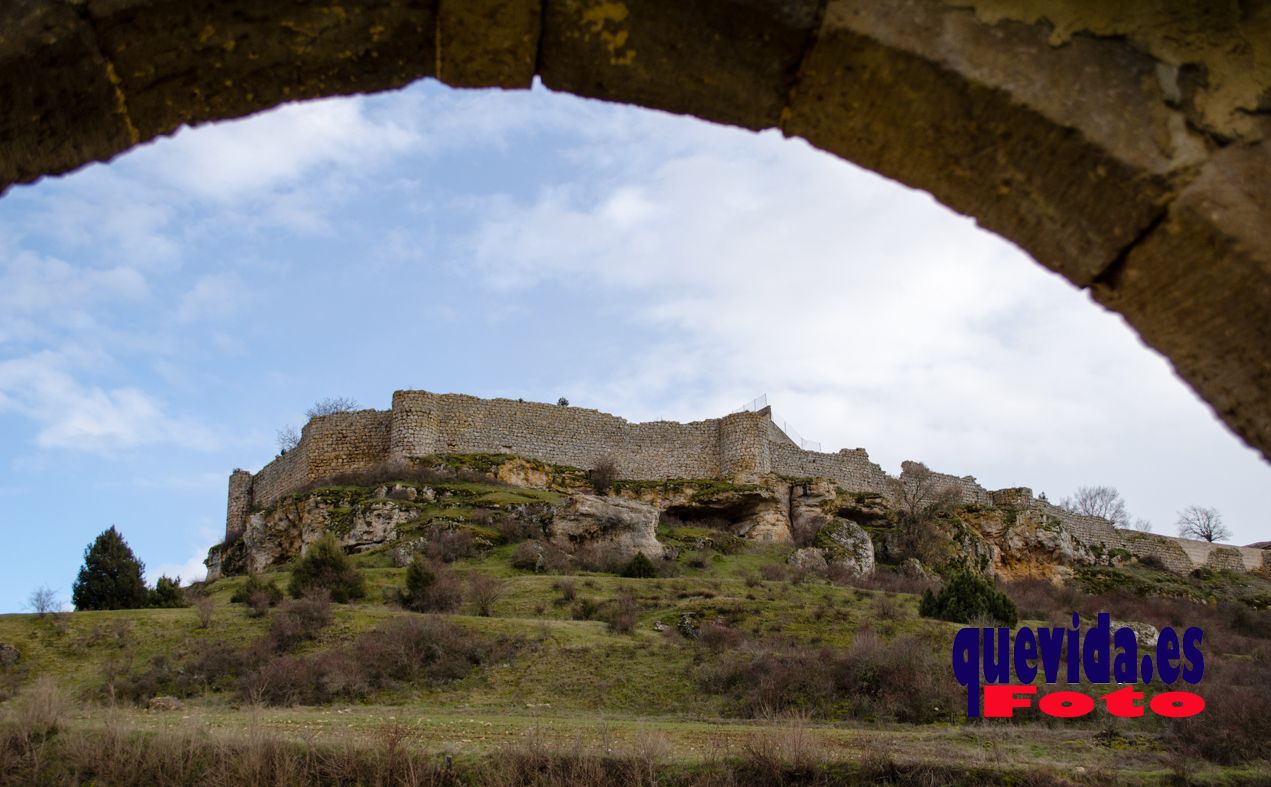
[760,402]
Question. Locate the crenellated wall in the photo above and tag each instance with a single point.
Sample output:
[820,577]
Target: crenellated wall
[742,446]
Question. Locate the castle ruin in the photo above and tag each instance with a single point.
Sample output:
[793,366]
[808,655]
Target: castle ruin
[743,446]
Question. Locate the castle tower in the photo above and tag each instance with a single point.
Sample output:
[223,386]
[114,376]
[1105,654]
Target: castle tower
[239,505]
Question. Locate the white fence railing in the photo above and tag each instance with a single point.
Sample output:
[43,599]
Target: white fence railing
[760,402]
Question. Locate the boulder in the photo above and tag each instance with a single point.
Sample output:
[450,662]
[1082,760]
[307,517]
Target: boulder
[809,559]
[613,526]
[1145,633]
[846,545]
[913,568]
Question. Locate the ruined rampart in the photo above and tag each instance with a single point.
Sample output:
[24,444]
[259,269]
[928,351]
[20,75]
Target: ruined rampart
[741,446]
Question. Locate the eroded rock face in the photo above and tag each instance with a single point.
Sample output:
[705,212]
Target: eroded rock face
[281,534]
[615,526]
[1032,544]
[757,512]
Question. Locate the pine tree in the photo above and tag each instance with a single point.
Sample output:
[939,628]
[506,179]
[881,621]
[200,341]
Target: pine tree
[110,577]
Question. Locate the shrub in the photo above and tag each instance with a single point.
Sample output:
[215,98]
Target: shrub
[888,607]
[719,636]
[111,575]
[639,567]
[1236,724]
[585,609]
[299,621]
[449,544]
[258,594]
[403,650]
[567,589]
[623,618]
[602,475]
[203,605]
[324,566]
[774,572]
[484,591]
[430,587]
[965,596]
[540,556]
[903,679]
[167,594]
[513,529]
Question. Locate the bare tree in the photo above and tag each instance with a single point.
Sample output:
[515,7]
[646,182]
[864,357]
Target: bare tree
[484,590]
[331,405]
[919,491]
[204,606]
[1101,501]
[1142,525]
[921,497]
[288,438]
[43,601]
[1202,523]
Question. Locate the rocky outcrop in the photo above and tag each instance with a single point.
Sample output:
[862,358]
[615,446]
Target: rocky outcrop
[847,546]
[615,527]
[809,559]
[9,655]
[757,512]
[1145,633]
[1029,542]
[279,535]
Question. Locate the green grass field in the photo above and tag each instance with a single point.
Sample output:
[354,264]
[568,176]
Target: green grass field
[575,684]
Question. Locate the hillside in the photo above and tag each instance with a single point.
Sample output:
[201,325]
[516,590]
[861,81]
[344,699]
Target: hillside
[741,659]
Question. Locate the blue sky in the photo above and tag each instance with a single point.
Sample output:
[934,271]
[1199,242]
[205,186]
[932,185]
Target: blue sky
[161,317]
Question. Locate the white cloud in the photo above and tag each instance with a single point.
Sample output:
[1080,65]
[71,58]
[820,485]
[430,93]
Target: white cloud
[213,296]
[39,292]
[229,161]
[78,417]
[870,315]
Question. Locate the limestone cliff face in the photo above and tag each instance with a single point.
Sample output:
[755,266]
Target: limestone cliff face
[827,527]
[620,527]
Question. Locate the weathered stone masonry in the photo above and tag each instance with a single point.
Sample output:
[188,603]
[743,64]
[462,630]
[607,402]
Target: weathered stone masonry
[741,446]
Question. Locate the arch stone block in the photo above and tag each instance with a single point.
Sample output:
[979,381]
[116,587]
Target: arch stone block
[730,61]
[1122,145]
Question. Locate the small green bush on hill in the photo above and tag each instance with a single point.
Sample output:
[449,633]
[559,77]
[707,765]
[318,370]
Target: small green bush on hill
[325,567]
[966,596]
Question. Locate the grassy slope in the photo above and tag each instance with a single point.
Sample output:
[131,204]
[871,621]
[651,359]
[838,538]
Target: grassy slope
[574,680]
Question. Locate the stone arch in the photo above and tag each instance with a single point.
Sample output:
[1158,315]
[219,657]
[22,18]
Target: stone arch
[1124,148]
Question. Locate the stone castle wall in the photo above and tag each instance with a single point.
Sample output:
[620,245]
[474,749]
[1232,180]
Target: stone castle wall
[1180,555]
[741,446]
[425,423]
[849,468]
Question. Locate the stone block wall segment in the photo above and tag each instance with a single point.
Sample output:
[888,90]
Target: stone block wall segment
[283,475]
[345,442]
[849,468]
[426,423]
